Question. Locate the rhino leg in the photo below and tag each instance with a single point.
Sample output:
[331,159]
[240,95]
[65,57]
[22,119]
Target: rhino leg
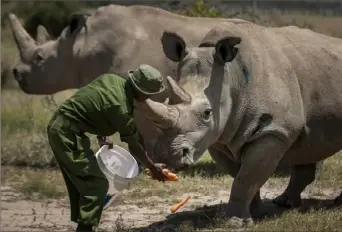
[221,155]
[259,160]
[301,176]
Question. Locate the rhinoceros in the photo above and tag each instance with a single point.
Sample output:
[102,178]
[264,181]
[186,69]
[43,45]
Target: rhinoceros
[112,39]
[253,97]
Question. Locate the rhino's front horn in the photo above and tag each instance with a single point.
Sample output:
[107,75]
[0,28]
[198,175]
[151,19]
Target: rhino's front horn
[23,40]
[177,94]
[162,115]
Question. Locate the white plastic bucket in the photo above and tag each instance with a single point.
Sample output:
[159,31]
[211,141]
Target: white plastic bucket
[119,166]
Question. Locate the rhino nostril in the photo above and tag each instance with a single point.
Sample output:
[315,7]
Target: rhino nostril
[185,151]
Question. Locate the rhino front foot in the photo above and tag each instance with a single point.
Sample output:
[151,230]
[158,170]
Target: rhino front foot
[261,156]
[237,223]
[284,200]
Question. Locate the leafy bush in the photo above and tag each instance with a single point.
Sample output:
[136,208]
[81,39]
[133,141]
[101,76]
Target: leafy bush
[201,9]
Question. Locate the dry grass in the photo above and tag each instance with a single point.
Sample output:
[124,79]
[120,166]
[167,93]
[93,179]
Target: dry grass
[23,123]
[320,220]
[202,178]
[34,184]
[9,55]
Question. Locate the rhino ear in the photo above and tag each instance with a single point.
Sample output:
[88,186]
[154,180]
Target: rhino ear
[225,50]
[42,35]
[174,46]
[77,22]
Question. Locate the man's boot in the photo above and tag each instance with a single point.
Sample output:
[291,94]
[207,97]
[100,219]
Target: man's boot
[84,228]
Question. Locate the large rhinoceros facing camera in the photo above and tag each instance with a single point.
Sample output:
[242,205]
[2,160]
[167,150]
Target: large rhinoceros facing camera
[253,96]
[113,39]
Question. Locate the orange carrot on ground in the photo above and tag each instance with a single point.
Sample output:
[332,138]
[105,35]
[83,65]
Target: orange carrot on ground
[171,176]
[176,206]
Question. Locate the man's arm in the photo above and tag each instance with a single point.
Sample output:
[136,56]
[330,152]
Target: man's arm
[138,152]
[129,134]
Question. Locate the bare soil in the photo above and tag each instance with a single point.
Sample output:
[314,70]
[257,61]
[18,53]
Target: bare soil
[153,212]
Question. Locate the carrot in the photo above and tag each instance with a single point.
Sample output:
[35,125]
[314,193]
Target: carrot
[176,206]
[171,176]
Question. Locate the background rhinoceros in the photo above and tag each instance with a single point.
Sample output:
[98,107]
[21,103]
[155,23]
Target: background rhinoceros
[113,39]
[253,96]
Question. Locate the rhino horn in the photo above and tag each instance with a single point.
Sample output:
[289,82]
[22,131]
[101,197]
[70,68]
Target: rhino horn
[176,94]
[23,40]
[42,35]
[162,115]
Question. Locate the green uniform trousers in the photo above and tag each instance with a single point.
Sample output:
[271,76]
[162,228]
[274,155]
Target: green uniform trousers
[87,186]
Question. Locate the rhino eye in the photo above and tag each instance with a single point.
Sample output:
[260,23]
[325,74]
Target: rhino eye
[207,114]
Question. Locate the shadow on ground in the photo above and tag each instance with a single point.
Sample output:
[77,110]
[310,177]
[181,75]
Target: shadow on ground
[210,169]
[206,217]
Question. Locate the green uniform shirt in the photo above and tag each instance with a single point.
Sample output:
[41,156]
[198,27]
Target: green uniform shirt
[103,107]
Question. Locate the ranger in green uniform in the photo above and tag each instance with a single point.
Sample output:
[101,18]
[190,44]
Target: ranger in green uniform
[103,107]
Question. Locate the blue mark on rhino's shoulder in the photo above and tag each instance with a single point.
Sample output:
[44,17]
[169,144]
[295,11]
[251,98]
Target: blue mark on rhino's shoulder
[245,73]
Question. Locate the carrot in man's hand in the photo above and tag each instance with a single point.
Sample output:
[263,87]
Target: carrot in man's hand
[171,176]
[176,206]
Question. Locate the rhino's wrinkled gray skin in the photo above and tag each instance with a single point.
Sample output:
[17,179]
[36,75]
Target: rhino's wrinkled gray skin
[253,96]
[113,39]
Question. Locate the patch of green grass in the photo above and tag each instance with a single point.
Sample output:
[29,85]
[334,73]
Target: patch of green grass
[319,220]
[144,192]
[23,125]
[332,171]
[24,119]
[35,184]
[9,56]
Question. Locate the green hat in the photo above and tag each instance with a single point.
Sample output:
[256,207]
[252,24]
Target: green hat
[147,79]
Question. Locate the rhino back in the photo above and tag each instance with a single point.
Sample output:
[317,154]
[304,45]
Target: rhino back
[317,62]
[120,38]
[124,37]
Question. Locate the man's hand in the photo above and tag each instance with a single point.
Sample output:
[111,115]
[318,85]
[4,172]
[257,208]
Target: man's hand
[102,140]
[157,173]
[140,154]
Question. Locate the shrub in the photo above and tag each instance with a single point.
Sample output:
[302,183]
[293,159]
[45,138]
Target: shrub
[201,9]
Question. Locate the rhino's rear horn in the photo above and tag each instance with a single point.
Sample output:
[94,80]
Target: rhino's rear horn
[42,35]
[23,40]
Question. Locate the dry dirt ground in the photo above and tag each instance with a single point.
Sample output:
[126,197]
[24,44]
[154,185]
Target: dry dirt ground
[53,215]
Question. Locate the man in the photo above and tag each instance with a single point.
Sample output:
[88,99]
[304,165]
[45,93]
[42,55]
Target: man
[103,107]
